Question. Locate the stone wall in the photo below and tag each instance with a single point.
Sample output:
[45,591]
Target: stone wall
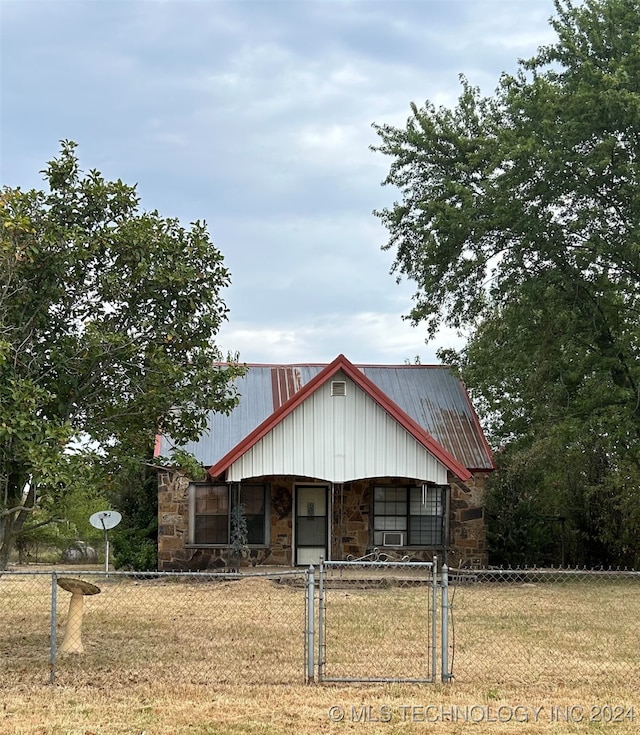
[350,527]
[174,552]
[351,514]
[173,521]
[468,526]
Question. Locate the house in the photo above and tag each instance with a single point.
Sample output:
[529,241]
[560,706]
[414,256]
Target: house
[333,461]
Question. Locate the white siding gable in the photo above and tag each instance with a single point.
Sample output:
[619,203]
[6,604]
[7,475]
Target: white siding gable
[339,438]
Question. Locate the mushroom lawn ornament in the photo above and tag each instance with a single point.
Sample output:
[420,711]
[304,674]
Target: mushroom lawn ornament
[72,642]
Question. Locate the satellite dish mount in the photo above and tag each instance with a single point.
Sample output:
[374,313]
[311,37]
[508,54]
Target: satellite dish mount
[105,520]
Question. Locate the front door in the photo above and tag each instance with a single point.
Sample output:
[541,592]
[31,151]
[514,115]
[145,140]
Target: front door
[311,524]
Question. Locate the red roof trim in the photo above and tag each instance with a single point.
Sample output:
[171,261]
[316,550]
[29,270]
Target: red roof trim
[372,390]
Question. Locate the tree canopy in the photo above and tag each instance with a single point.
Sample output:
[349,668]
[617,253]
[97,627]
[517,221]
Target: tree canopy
[518,220]
[108,316]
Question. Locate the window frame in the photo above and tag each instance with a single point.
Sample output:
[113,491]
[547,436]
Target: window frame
[403,520]
[232,490]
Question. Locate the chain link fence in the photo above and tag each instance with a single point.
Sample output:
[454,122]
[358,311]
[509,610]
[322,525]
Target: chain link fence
[377,621]
[382,621]
[199,628]
[551,627]
[25,627]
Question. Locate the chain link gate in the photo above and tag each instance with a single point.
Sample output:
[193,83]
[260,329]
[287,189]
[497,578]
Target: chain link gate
[377,621]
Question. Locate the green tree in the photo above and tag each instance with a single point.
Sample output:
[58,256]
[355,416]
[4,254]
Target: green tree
[62,516]
[519,220]
[133,489]
[107,321]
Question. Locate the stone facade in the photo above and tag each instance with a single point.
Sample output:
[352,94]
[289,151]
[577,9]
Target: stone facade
[351,520]
[173,522]
[351,523]
[174,551]
[467,522]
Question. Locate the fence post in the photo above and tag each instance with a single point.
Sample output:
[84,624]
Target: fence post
[321,621]
[311,626]
[445,674]
[54,624]
[434,621]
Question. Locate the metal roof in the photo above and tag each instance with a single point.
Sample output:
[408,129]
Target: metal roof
[431,395]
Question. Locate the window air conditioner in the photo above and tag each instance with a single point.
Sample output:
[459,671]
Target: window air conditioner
[393,538]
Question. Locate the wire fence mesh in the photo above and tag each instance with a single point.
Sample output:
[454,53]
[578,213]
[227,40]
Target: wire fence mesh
[25,620]
[373,622]
[554,627]
[197,628]
[377,621]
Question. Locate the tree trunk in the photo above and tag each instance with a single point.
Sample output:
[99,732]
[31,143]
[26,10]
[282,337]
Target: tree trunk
[11,525]
[6,542]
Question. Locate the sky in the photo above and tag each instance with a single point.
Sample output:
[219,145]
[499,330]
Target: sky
[256,117]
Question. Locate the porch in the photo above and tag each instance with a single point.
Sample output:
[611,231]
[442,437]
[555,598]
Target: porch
[293,522]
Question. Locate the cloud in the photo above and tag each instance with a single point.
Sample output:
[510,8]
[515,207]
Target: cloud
[324,338]
[256,116]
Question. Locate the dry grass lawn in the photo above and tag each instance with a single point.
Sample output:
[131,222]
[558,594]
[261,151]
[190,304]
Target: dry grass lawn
[166,658]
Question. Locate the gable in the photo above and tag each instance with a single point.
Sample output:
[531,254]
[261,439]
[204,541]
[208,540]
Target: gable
[338,438]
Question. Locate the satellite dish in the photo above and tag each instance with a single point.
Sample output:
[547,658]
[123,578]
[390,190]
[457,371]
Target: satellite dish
[105,519]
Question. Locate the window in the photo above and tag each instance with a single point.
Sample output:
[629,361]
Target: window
[252,499]
[211,518]
[211,514]
[408,516]
[426,516]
